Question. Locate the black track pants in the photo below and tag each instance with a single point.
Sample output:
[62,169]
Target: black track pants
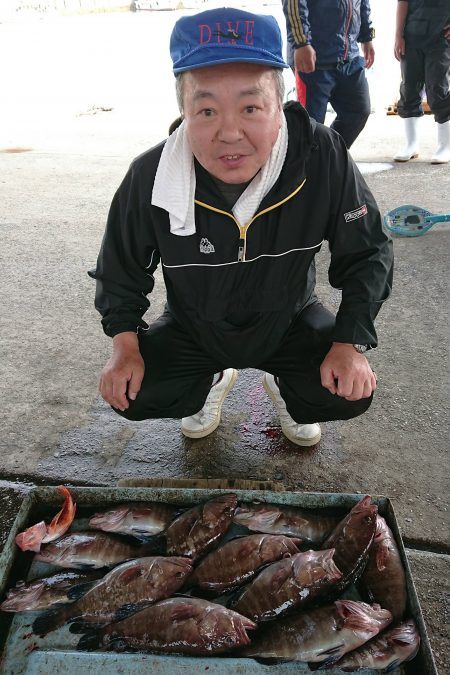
[178,374]
[428,67]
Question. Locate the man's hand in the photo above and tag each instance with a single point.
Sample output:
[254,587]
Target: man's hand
[399,47]
[369,54]
[347,373]
[305,59]
[123,373]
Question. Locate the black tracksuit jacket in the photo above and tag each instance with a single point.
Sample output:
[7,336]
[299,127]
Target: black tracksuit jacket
[235,287]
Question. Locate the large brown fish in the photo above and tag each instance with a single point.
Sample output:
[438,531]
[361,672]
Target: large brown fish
[178,625]
[90,550]
[47,591]
[384,652]
[196,530]
[321,635]
[383,579]
[140,519]
[311,527]
[288,584]
[237,561]
[352,539]
[126,589]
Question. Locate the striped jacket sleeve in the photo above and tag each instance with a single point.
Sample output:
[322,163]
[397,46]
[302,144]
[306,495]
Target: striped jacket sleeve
[297,22]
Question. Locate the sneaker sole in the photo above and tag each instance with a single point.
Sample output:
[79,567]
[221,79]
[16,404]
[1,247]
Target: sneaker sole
[213,426]
[308,442]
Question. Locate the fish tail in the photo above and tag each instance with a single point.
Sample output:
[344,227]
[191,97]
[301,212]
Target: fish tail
[50,620]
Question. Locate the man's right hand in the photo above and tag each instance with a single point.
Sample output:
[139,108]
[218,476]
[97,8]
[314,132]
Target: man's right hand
[123,372]
[305,59]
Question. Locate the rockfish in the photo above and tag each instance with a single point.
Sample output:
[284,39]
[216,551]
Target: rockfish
[288,584]
[321,635]
[312,528]
[36,535]
[352,539]
[47,591]
[142,519]
[383,579]
[90,550]
[126,589]
[177,625]
[196,530]
[237,561]
[384,652]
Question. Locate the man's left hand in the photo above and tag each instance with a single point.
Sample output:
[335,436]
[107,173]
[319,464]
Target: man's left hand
[347,373]
[369,54]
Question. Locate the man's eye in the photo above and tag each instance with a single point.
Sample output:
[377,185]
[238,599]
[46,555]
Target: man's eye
[250,109]
[206,112]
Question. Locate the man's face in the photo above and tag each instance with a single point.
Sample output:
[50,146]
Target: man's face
[233,116]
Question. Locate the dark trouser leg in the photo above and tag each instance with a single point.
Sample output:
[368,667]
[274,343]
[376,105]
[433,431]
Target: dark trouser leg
[297,365]
[437,65]
[317,92]
[351,100]
[178,375]
[412,68]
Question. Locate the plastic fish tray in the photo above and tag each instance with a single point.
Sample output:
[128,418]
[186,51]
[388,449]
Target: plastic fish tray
[23,653]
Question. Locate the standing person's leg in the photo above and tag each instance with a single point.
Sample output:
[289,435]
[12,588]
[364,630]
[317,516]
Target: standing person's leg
[351,100]
[409,107]
[178,375]
[296,370]
[437,67]
[314,91]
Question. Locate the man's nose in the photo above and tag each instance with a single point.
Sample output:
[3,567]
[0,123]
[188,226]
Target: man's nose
[230,129]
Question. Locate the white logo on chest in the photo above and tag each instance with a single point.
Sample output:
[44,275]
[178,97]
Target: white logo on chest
[206,246]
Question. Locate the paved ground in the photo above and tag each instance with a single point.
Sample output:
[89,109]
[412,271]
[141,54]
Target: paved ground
[82,97]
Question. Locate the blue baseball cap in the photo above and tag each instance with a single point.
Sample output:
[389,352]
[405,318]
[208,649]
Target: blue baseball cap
[225,35]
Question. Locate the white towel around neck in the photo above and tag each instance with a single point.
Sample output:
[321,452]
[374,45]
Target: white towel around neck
[174,186]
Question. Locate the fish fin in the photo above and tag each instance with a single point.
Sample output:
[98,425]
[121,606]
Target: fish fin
[381,557]
[79,626]
[77,591]
[184,612]
[128,575]
[269,661]
[126,610]
[89,642]
[392,666]
[279,578]
[50,620]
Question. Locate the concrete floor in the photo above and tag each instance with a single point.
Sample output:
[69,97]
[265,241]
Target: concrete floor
[62,155]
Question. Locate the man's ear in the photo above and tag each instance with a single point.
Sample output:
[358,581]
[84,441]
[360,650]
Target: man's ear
[175,124]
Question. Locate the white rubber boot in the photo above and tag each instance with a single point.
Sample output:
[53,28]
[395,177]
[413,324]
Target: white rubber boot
[411,150]
[442,154]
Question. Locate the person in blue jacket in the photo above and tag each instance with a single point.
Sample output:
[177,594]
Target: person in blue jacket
[323,50]
[234,206]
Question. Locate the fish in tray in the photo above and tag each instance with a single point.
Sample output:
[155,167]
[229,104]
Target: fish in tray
[383,579]
[321,635]
[237,561]
[196,530]
[352,539]
[179,625]
[386,651]
[40,533]
[47,591]
[140,519]
[288,584]
[126,589]
[311,527]
[91,550]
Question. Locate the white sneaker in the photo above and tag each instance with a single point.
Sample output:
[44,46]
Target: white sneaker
[207,419]
[300,434]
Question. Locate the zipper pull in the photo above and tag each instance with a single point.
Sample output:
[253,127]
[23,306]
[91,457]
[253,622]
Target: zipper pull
[241,250]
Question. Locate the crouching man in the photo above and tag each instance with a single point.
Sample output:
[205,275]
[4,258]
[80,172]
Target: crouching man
[235,205]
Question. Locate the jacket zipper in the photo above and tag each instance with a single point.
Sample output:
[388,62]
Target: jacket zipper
[242,248]
[350,12]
